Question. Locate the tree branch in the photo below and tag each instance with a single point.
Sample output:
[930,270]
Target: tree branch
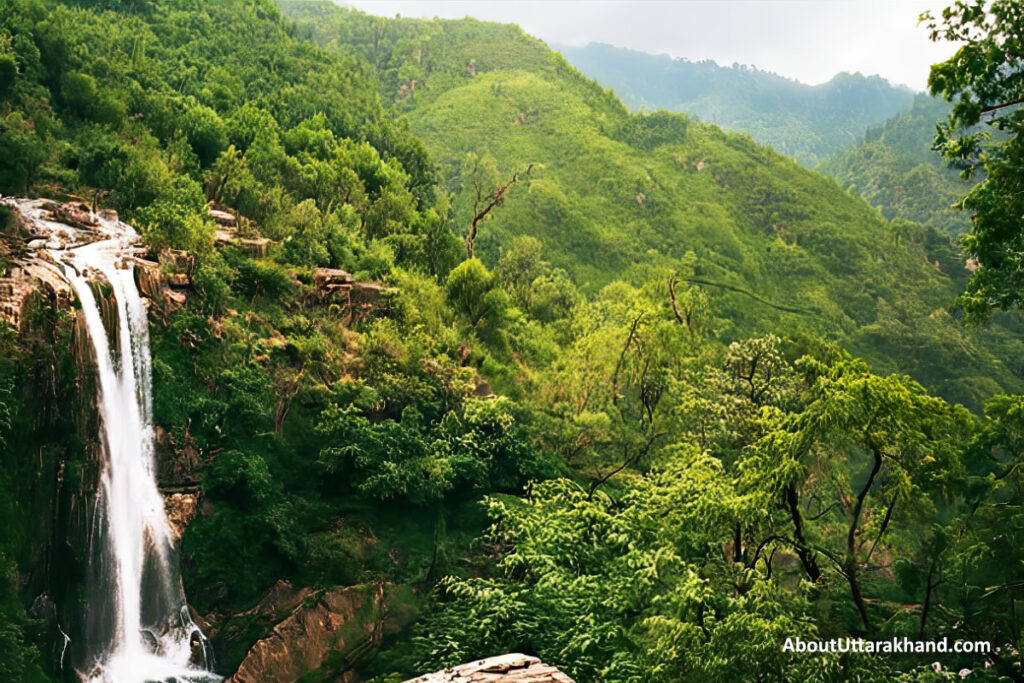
[483,205]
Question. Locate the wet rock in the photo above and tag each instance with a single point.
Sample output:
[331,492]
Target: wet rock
[26,278]
[510,668]
[178,461]
[155,286]
[76,215]
[43,608]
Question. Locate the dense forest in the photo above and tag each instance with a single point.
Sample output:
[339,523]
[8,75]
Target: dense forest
[625,391]
[808,123]
[894,168]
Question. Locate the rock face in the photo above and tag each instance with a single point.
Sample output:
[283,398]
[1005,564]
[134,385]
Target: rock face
[359,299]
[228,223]
[510,668]
[39,225]
[326,632]
[181,509]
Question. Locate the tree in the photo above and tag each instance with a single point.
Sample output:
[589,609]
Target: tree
[487,193]
[862,447]
[621,590]
[8,72]
[984,81]
[472,293]
[519,266]
[23,152]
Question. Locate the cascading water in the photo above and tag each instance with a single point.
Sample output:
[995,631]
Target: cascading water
[145,631]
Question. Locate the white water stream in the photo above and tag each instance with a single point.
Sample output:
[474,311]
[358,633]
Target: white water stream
[153,635]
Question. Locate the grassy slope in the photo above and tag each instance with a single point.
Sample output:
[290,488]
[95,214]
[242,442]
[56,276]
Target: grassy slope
[756,220]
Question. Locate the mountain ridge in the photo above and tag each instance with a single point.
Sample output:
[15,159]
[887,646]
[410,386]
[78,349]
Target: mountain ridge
[807,122]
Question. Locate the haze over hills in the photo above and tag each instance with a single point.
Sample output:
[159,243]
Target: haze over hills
[806,122]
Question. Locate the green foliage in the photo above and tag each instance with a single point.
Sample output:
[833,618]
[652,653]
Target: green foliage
[895,169]
[984,76]
[472,293]
[678,471]
[619,196]
[8,71]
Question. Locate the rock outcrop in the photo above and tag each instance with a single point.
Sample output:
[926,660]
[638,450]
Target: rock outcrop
[181,509]
[510,668]
[227,233]
[326,632]
[358,299]
[39,225]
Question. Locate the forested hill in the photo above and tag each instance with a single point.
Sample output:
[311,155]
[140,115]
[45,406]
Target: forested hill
[614,195]
[630,435]
[806,122]
[895,169]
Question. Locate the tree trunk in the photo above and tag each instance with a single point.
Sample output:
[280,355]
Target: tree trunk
[928,586]
[805,554]
[850,561]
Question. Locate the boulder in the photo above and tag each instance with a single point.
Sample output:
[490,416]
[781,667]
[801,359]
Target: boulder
[221,215]
[325,278]
[336,286]
[510,668]
[75,215]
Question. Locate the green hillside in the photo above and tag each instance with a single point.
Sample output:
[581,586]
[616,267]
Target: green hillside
[808,123]
[618,195]
[894,168]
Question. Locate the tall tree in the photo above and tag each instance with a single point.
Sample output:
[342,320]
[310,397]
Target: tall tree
[985,82]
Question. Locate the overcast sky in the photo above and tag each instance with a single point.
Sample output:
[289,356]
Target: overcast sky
[810,40]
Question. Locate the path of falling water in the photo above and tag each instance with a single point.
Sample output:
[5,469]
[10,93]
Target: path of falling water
[153,629]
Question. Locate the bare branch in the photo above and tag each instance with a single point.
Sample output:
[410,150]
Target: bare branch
[484,203]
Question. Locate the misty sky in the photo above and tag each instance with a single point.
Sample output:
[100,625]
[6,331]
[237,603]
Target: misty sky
[810,40]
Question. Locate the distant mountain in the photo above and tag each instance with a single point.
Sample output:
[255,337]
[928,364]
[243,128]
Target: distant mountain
[808,123]
[895,169]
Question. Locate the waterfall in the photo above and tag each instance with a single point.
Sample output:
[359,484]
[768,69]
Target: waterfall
[137,603]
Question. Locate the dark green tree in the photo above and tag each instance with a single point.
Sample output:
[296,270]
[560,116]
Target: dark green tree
[984,82]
